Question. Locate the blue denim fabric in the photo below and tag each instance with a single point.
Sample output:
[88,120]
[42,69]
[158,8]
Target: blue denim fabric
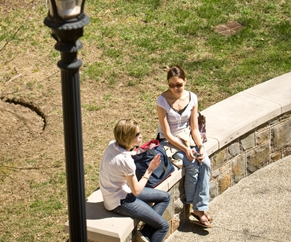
[156,227]
[197,177]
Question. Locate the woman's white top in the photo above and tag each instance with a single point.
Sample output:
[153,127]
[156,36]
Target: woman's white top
[116,164]
[177,122]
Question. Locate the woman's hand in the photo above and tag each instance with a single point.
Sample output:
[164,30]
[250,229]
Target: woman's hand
[192,154]
[155,162]
[189,154]
[137,186]
[200,157]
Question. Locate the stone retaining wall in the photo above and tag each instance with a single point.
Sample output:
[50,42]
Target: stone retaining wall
[250,152]
[259,147]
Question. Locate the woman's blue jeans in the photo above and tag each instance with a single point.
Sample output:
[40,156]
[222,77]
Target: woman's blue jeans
[156,227]
[197,177]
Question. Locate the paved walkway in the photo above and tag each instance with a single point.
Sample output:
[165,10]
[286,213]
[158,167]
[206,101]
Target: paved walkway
[256,209]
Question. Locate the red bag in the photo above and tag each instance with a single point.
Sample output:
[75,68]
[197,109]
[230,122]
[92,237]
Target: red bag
[148,145]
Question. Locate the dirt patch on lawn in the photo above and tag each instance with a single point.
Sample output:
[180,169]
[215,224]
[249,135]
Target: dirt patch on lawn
[19,123]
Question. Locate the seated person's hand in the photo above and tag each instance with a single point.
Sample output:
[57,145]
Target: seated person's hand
[201,156]
[189,154]
[155,162]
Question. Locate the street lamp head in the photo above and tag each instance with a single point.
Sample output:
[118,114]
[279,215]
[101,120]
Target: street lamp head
[64,16]
[65,9]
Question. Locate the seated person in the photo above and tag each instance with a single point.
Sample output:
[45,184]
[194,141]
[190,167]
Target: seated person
[178,110]
[123,193]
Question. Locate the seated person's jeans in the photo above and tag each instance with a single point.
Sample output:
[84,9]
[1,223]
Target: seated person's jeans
[156,227]
[197,176]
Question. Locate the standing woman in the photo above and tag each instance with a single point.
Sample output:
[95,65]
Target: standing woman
[177,110]
[123,193]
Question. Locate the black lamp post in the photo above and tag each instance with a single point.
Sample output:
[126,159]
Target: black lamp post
[66,18]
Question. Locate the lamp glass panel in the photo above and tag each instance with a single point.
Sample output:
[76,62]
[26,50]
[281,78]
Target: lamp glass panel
[68,8]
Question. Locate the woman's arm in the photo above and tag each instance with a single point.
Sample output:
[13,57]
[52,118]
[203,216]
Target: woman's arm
[137,186]
[195,132]
[169,136]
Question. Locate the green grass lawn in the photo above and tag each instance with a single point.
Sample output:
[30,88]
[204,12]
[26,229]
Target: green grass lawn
[126,47]
[138,38]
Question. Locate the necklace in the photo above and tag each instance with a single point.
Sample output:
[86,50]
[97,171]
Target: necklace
[179,103]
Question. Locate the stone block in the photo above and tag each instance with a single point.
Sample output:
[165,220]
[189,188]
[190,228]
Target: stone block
[215,173]
[258,158]
[233,150]
[224,182]
[263,137]
[238,168]
[219,158]
[213,191]
[248,141]
[225,168]
[281,135]
[169,213]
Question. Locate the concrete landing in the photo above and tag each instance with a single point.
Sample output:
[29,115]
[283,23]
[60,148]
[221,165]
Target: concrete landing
[256,209]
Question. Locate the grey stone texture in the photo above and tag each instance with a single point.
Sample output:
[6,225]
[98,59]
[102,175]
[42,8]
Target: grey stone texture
[238,168]
[248,141]
[258,148]
[256,209]
[281,135]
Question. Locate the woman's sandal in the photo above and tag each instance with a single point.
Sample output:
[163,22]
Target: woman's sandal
[201,222]
[207,215]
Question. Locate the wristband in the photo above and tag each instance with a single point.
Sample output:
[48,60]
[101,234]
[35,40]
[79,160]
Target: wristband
[145,177]
[200,146]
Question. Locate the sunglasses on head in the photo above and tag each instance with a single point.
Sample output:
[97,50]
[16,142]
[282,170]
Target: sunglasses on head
[178,85]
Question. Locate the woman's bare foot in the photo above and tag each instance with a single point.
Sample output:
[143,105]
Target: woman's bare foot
[210,219]
[203,218]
